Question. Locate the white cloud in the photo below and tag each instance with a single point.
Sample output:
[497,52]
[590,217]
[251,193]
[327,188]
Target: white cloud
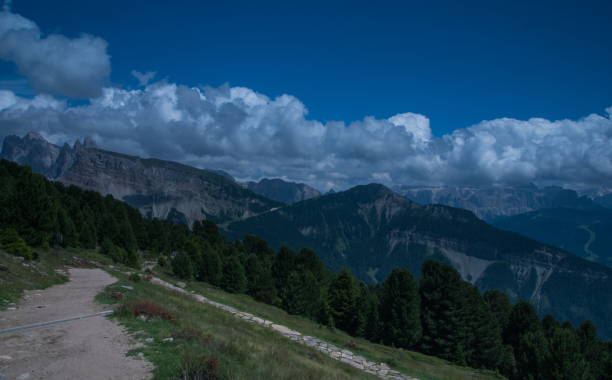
[54,64]
[144,78]
[251,135]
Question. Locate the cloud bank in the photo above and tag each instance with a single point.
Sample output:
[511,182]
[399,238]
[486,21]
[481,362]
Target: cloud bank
[54,64]
[251,135]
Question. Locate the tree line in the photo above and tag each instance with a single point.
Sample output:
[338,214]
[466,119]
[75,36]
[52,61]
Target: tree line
[440,314]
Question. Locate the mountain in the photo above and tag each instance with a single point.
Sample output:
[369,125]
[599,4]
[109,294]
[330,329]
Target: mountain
[490,202]
[604,200]
[371,230]
[283,191]
[159,189]
[583,232]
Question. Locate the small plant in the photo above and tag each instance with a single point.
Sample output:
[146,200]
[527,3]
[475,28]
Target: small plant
[352,346]
[116,296]
[134,277]
[188,333]
[161,261]
[14,244]
[200,368]
[148,310]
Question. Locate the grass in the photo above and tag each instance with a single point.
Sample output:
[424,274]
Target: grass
[204,337]
[209,340]
[409,362]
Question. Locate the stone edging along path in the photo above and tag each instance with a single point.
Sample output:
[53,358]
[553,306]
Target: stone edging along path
[378,369]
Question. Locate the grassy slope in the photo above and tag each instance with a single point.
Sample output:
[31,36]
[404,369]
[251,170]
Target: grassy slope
[411,363]
[244,350]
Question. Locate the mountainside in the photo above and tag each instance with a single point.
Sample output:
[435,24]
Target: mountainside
[283,191]
[604,200]
[585,233]
[159,189]
[371,230]
[494,201]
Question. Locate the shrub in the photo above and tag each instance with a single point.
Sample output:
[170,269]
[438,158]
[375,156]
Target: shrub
[134,277]
[200,368]
[12,243]
[116,295]
[149,309]
[161,261]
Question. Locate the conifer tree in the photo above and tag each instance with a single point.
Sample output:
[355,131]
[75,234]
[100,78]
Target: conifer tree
[400,310]
[342,299]
[234,279]
[442,315]
[211,267]
[182,266]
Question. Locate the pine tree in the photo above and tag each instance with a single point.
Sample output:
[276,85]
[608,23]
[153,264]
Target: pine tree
[211,268]
[182,266]
[259,279]
[87,236]
[442,313]
[523,319]
[566,359]
[500,306]
[283,264]
[342,299]
[400,310]
[234,279]
[484,342]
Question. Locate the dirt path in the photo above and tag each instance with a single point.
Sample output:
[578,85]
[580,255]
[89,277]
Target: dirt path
[91,348]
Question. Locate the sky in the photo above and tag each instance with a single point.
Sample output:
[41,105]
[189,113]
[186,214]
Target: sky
[332,93]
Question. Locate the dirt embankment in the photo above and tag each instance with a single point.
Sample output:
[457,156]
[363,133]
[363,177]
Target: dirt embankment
[93,348]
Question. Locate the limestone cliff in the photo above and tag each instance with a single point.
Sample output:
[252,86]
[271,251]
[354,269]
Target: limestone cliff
[159,189]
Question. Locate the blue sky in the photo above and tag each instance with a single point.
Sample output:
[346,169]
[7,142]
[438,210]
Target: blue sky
[333,93]
[456,62]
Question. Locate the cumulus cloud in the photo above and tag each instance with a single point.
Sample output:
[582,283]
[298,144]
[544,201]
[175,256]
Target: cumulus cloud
[54,64]
[144,78]
[251,135]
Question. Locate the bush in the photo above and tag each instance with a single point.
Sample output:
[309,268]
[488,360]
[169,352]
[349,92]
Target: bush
[200,368]
[162,262]
[12,243]
[148,310]
[134,277]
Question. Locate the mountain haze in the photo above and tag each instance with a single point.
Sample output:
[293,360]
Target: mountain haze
[490,202]
[371,230]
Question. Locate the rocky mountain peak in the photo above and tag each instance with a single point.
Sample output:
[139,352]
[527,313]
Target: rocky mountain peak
[195,194]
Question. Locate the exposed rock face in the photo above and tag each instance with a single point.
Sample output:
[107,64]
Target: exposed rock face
[283,191]
[494,201]
[32,150]
[160,189]
[373,230]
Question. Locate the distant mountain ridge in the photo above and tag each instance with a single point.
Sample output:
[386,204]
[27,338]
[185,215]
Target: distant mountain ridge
[490,202]
[159,189]
[586,233]
[283,191]
[372,230]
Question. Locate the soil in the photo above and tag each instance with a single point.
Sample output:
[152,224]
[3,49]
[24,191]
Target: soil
[93,348]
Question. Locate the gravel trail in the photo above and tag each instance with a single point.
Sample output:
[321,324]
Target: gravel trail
[93,348]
